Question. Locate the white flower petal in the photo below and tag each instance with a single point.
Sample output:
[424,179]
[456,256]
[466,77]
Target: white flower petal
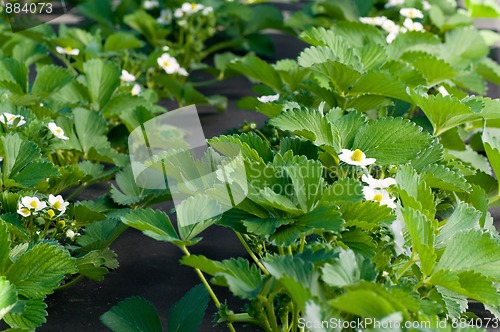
[268,99]
[127,77]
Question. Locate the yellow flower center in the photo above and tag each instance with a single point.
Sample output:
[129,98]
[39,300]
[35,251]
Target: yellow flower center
[58,130]
[357,155]
[378,197]
[165,64]
[33,204]
[25,210]
[57,205]
[69,49]
[51,213]
[193,6]
[12,117]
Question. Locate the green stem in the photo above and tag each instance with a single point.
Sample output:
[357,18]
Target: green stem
[295,318]
[71,283]
[281,251]
[207,286]
[268,304]
[219,46]
[263,136]
[251,253]
[302,243]
[76,192]
[405,267]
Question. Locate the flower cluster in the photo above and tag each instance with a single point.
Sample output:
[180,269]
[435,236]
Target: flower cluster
[171,65]
[11,119]
[32,205]
[375,189]
[409,24]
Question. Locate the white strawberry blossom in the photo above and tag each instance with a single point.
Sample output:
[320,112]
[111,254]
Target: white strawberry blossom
[165,17]
[394,3]
[442,90]
[356,158]
[136,90]
[168,63]
[268,99]
[151,4]
[191,7]
[9,119]
[127,77]
[57,131]
[411,13]
[377,20]
[58,203]
[67,50]
[379,195]
[413,26]
[378,183]
[32,203]
[426,5]
[70,234]
[207,10]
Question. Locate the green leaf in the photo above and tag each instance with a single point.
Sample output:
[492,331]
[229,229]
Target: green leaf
[481,255]
[422,232]
[103,77]
[307,183]
[444,112]
[40,270]
[144,23]
[464,217]
[153,223]
[257,69]
[414,192]
[341,77]
[432,154]
[468,283]
[492,147]
[363,303]
[379,83]
[50,79]
[250,145]
[187,314]
[8,296]
[368,212]
[348,269]
[462,45]
[440,176]
[476,160]
[122,41]
[298,276]
[195,214]
[32,316]
[126,191]
[483,8]
[310,124]
[134,314]
[391,140]
[18,154]
[13,71]
[434,70]
[4,246]
[358,34]
[343,190]
[204,264]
